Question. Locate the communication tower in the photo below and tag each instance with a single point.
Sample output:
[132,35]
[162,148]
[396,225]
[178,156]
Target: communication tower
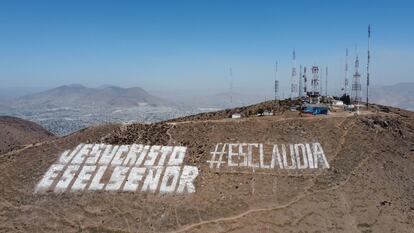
[321,82]
[276,84]
[305,80]
[231,86]
[346,74]
[326,81]
[315,81]
[294,81]
[356,85]
[369,58]
[300,82]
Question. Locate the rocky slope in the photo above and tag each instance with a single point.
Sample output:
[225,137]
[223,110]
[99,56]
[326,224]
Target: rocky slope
[17,132]
[368,186]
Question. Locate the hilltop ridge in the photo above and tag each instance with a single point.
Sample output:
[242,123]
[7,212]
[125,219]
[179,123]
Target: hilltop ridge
[16,133]
[365,184]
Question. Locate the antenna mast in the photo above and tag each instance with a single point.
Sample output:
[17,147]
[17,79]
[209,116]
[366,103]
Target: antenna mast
[346,73]
[231,86]
[369,58]
[300,82]
[356,85]
[326,81]
[305,80]
[321,81]
[276,84]
[294,84]
[315,81]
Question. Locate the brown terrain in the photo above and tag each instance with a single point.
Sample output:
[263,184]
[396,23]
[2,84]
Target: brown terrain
[16,133]
[369,186]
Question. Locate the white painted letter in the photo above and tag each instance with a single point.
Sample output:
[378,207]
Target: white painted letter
[108,154]
[187,178]
[165,150]
[276,158]
[142,155]
[310,156]
[292,157]
[82,154]
[134,177]
[298,154]
[95,154]
[250,155]
[120,155]
[230,155]
[262,165]
[242,154]
[117,178]
[171,173]
[319,156]
[49,177]
[151,180]
[66,178]
[83,178]
[132,156]
[96,181]
[177,156]
[65,158]
[152,156]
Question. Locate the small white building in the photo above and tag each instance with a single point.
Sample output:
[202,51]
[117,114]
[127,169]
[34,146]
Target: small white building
[236,116]
[268,113]
[338,103]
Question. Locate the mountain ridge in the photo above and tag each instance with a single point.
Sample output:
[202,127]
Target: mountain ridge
[78,95]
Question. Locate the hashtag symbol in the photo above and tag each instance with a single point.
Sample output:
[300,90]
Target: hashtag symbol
[216,152]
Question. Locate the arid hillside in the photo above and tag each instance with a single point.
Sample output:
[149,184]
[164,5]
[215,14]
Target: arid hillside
[16,132]
[283,173]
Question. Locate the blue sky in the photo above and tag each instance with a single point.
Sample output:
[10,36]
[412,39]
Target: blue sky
[191,44]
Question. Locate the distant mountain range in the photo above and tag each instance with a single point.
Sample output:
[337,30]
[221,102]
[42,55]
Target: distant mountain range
[68,108]
[400,95]
[77,96]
